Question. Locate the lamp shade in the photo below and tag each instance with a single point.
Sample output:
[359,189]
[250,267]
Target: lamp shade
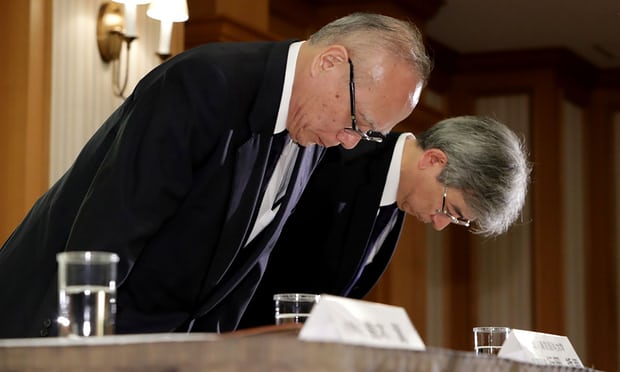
[135,2]
[168,10]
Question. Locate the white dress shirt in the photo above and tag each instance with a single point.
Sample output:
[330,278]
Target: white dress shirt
[278,183]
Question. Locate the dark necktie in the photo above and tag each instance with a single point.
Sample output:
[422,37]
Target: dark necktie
[277,145]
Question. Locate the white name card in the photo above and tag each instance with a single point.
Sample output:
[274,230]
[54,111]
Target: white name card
[348,321]
[539,348]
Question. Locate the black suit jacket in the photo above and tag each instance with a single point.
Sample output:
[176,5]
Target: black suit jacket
[325,243]
[171,182]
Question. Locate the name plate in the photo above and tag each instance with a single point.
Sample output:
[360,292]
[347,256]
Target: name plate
[348,321]
[539,348]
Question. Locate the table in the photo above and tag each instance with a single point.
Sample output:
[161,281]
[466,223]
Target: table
[273,349]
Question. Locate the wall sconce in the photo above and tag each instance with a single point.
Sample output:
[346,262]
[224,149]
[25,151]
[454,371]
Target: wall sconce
[116,25]
[167,12]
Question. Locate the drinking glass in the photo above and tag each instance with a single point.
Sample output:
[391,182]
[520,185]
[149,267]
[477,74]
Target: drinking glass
[489,340]
[86,293]
[293,307]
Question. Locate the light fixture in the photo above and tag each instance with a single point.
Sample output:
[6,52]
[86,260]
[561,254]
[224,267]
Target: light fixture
[116,25]
[167,12]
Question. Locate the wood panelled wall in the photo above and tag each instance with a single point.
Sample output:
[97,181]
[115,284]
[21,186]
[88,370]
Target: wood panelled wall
[55,92]
[24,107]
[602,226]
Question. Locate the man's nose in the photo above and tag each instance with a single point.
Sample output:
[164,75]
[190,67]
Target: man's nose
[348,140]
[439,221]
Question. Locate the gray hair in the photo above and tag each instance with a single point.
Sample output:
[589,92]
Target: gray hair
[486,161]
[365,34]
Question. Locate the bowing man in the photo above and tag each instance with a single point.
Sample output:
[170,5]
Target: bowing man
[469,171]
[178,180]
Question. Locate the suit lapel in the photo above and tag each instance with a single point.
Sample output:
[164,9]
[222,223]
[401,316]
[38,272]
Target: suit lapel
[250,166]
[362,214]
[386,215]
[248,177]
[218,275]
[368,275]
[354,249]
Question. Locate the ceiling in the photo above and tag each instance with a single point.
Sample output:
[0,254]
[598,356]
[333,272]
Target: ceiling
[589,28]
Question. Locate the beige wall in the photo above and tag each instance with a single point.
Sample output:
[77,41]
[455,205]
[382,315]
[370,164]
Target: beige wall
[82,95]
[574,228]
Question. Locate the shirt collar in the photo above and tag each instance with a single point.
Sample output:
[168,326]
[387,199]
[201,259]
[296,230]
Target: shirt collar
[393,177]
[289,77]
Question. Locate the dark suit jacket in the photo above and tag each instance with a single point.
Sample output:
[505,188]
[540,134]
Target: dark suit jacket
[324,244]
[171,183]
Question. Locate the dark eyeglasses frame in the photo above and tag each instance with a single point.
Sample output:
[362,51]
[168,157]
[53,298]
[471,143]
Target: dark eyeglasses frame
[370,135]
[445,212]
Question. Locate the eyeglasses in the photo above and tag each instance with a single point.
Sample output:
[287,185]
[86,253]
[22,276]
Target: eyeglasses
[370,135]
[444,211]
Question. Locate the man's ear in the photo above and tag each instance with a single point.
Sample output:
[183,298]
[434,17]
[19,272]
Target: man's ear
[330,57]
[433,157]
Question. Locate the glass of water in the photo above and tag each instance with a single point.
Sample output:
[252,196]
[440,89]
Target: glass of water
[86,293]
[293,307]
[489,340]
